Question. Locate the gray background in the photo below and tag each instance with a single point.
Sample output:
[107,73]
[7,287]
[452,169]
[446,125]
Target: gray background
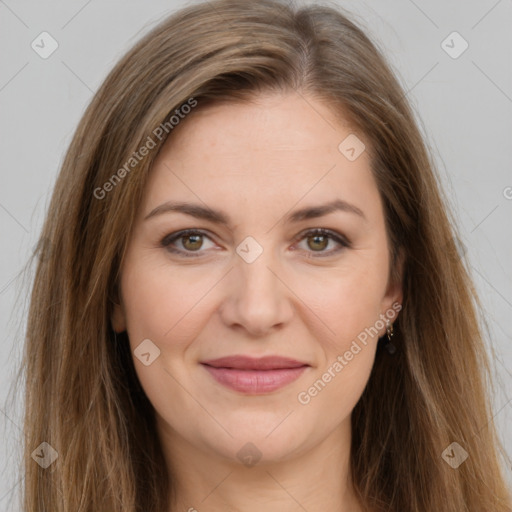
[464,103]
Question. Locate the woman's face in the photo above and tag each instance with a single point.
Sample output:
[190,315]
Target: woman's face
[254,181]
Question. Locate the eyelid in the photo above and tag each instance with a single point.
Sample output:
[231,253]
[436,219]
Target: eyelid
[171,237]
[342,240]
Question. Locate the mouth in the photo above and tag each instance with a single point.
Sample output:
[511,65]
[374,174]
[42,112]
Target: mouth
[255,376]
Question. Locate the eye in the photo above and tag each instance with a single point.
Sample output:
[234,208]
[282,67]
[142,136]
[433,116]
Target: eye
[318,240]
[192,241]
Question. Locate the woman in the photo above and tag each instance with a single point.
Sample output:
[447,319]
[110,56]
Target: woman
[253,296]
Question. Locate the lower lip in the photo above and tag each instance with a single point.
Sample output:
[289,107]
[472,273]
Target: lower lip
[255,382]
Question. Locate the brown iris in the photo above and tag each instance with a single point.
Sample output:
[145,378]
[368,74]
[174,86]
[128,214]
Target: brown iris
[196,242]
[316,238]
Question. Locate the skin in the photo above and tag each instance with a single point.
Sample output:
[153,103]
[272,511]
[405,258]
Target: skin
[257,162]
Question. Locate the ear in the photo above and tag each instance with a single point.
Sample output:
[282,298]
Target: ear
[394,291]
[118,319]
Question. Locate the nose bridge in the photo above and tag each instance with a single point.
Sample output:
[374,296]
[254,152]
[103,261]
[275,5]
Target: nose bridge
[258,301]
[255,259]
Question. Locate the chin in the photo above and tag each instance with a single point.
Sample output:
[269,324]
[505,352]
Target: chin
[260,442]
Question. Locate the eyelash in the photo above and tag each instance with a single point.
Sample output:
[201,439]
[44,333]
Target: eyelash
[332,235]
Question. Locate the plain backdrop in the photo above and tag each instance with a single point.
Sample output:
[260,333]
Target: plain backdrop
[462,98]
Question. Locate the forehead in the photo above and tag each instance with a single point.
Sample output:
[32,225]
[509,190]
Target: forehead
[280,148]
[272,122]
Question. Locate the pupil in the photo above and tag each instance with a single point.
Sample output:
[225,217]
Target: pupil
[316,237]
[192,237]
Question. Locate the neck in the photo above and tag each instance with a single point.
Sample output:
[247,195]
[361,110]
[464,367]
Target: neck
[317,479]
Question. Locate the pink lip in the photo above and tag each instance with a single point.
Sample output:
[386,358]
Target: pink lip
[254,376]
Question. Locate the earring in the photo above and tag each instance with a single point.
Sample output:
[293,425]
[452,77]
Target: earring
[389,330]
[389,333]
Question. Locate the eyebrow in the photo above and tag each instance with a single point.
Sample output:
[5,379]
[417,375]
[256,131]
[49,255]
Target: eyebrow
[219,217]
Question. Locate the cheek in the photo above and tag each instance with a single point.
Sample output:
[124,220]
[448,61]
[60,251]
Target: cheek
[335,390]
[346,301]
[163,305]
[348,307]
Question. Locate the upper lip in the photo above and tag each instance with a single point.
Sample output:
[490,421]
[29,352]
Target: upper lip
[240,362]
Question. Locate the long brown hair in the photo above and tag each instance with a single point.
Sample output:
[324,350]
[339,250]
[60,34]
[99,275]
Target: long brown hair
[82,394]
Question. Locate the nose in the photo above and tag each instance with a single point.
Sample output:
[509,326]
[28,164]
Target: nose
[257,298]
